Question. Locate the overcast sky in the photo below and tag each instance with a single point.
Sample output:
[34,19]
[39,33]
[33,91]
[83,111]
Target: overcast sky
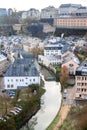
[38,4]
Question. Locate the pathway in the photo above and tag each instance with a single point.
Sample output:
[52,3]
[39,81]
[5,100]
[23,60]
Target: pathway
[63,114]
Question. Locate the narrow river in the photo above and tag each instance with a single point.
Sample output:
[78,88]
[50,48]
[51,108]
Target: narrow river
[50,104]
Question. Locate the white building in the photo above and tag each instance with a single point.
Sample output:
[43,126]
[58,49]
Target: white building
[68,9]
[3,12]
[53,53]
[49,60]
[49,12]
[10,12]
[82,11]
[32,14]
[24,15]
[53,49]
[21,74]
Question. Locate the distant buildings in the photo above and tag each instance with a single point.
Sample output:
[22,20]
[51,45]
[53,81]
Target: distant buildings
[21,74]
[53,53]
[32,14]
[68,9]
[81,82]
[49,12]
[3,12]
[71,22]
[10,12]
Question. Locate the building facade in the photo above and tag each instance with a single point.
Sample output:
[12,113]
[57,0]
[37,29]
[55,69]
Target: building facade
[71,22]
[21,74]
[68,9]
[81,82]
[3,12]
[32,14]
[10,12]
[49,12]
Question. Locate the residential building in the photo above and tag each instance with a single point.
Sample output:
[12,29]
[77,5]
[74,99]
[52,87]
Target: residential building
[10,12]
[3,12]
[57,48]
[49,60]
[21,74]
[81,82]
[32,14]
[53,53]
[81,11]
[49,12]
[71,62]
[24,15]
[68,9]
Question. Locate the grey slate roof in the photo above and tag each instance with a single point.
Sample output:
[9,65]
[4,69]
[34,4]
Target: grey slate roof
[82,70]
[22,67]
[70,5]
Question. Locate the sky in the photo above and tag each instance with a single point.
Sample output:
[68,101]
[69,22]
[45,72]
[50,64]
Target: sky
[37,4]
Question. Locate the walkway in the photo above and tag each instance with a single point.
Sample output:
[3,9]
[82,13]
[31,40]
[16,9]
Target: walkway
[63,114]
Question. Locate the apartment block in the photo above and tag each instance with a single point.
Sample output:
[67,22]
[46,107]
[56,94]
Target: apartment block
[81,82]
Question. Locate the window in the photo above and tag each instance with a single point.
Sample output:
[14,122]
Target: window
[84,90]
[34,80]
[22,80]
[78,89]
[16,79]
[8,86]
[82,78]
[12,85]
[78,78]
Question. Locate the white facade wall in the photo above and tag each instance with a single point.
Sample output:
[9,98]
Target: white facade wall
[24,15]
[52,52]
[54,61]
[43,60]
[14,82]
[49,12]
[33,13]
[46,60]
[67,10]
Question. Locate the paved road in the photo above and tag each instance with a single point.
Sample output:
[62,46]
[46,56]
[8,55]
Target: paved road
[70,97]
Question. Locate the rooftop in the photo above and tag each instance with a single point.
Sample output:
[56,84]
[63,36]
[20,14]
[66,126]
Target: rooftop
[70,5]
[82,70]
[22,67]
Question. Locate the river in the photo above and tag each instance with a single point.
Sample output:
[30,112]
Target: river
[50,104]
